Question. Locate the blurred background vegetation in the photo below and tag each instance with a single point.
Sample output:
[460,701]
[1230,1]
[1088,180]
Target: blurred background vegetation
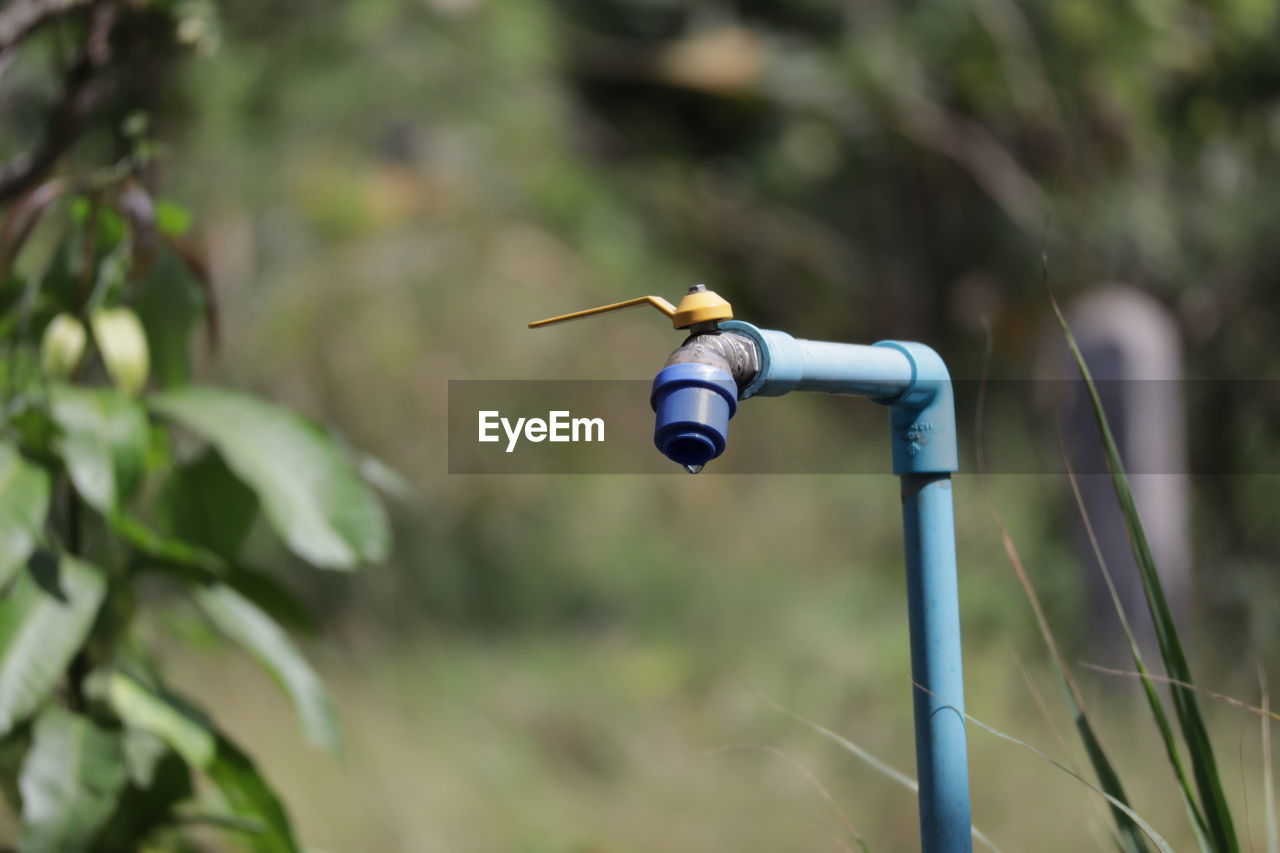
[386,192]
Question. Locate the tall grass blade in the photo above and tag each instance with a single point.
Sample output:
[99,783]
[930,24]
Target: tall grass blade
[1043,708]
[875,763]
[1164,679]
[1147,829]
[1131,835]
[814,781]
[1213,801]
[1148,687]
[1244,793]
[1268,777]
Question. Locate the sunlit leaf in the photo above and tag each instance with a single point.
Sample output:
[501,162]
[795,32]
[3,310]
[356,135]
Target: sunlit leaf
[44,620]
[24,502]
[143,752]
[308,488]
[245,623]
[70,782]
[203,747]
[384,478]
[183,728]
[104,441]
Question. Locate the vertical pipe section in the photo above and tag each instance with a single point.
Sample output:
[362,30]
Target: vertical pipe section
[912,380]
[936,667]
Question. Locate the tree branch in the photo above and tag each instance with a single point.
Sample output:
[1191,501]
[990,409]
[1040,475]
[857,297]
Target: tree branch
[80,94]
[21,17]
[977,150]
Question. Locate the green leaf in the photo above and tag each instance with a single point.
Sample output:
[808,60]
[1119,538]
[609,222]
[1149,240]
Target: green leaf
[166,551]
[143,753]
[104,442]
[203,747]
[274,598]
[24,502]
[13,750]
[111,225]
[169,304]
[244,622]
[203,503]
[308,488]
[44,620]
[384,478]
[249,796]
[146,807]
[172,219]
[70,782]
[182,727]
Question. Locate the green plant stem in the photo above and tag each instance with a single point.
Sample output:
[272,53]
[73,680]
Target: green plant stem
[80,664]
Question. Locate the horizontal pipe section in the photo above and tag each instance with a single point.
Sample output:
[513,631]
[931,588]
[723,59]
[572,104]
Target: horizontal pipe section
[853,369]
[793,364]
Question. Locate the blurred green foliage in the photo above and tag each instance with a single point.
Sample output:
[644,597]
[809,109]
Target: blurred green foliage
[126,494]
[386,192]
[404,185]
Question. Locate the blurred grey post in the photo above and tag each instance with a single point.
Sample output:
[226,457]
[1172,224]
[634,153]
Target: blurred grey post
[1132,346]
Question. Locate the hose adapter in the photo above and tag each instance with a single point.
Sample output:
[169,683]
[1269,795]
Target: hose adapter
[693,403]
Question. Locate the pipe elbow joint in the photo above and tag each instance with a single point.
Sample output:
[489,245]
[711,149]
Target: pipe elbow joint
[923,416]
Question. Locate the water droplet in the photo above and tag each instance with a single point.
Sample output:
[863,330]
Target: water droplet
[693,469]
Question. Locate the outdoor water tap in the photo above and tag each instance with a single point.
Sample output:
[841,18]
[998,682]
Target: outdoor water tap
[697,392]
[724,361]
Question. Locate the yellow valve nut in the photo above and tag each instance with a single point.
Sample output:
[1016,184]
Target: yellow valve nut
[700,305]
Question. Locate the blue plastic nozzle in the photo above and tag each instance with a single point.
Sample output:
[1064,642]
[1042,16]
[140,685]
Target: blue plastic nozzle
[693,403]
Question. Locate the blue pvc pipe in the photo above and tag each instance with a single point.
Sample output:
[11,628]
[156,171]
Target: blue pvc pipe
[913,382]
[936,666]
[794,364]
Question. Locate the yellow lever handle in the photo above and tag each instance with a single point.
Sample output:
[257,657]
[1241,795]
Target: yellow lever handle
[656,301]
[698,306]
